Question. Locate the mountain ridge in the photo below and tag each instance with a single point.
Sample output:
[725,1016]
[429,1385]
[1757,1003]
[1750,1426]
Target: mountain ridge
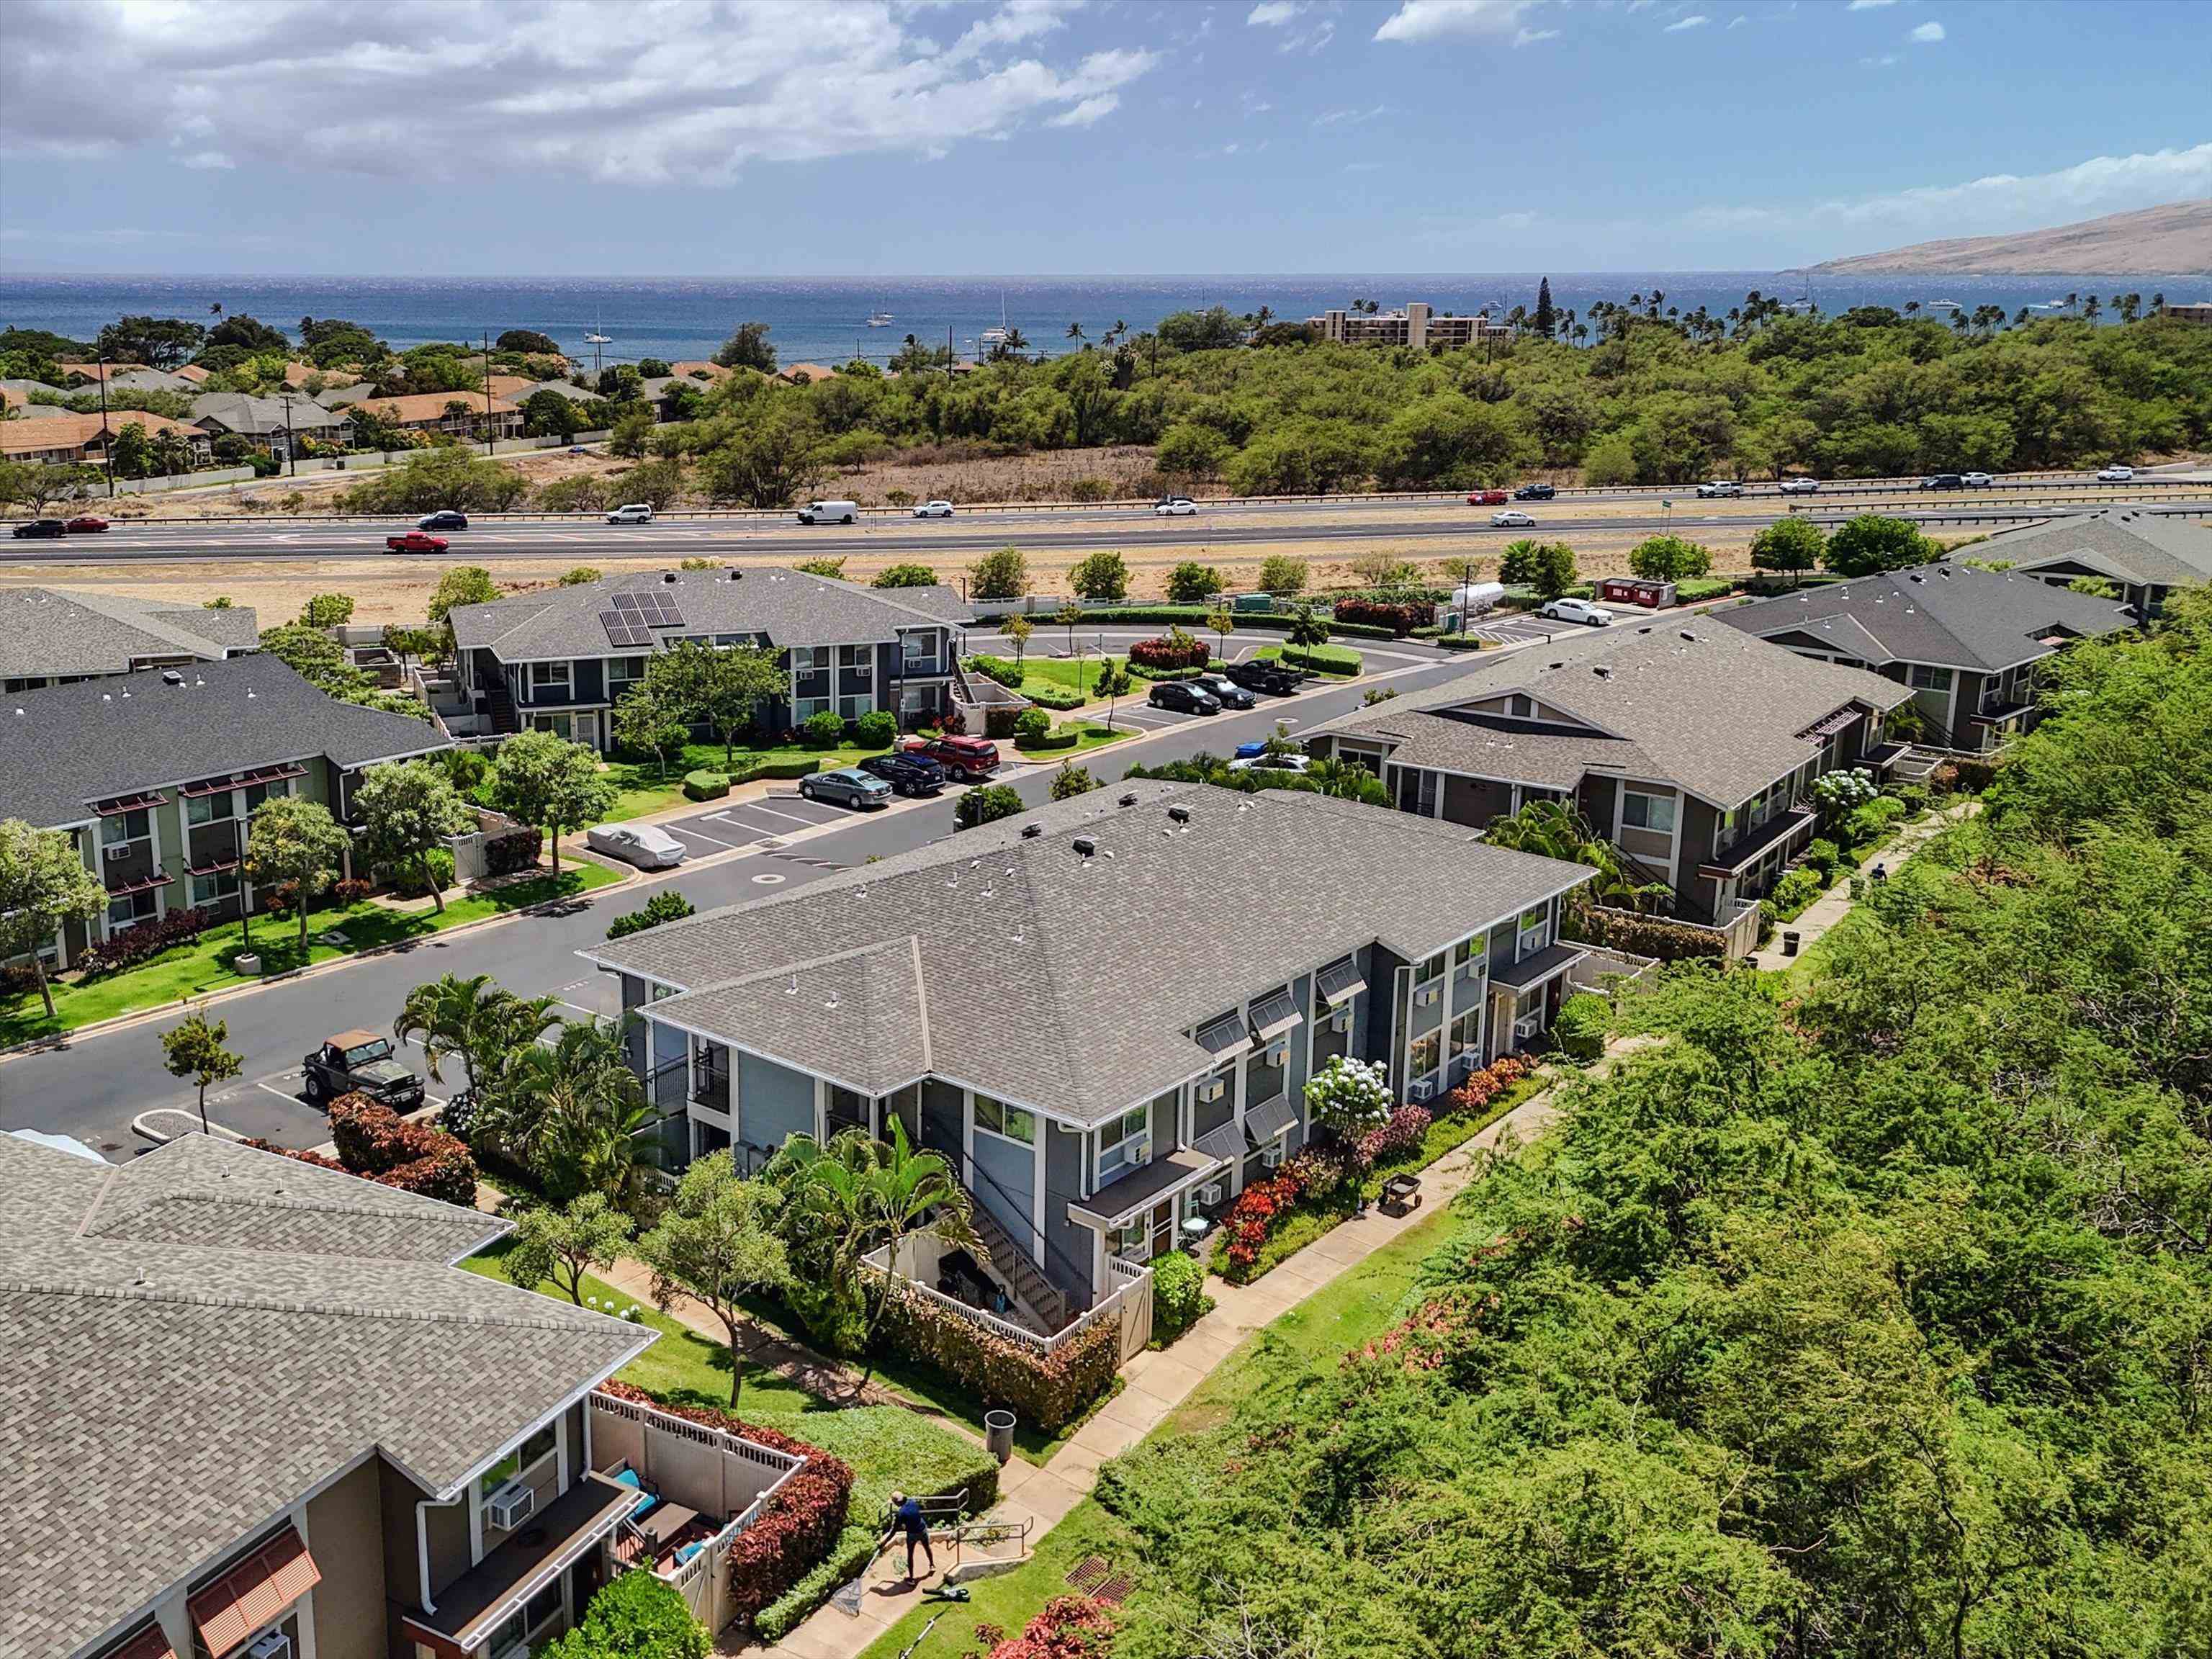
[2175,237]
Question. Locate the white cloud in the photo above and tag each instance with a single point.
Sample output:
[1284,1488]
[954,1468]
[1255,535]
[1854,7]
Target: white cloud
[1530,36]
[1868,5]
[1430,20]
[1272,14]
[694,90]
[1738,20]
[1350,117]
[1882,62]
[1927,34]
[1513,221]
[1090,111]
[208,159]
[1696,20]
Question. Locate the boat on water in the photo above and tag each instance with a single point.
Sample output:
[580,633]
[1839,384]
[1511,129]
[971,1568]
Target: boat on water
[999,335]
[879,319]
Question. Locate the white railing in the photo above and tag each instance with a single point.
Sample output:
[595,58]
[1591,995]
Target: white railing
[1127,1277]
[783,1463]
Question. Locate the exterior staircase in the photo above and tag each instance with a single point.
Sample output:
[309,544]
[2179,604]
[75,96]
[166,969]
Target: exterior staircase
[499,705]
[1013,1264]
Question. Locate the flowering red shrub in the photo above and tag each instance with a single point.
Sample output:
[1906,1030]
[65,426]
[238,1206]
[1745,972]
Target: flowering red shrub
[1486,1084]
[449,1176]
[799,1526]
[1184,651]
[375,1141]
[1050,1392]
[1400,616]
[1070,1627]
[1403,1131]
[148,940]
[352,890]
[1249,1220]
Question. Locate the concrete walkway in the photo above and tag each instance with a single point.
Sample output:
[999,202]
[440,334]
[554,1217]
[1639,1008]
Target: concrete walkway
[1155,1383]
[1832,906]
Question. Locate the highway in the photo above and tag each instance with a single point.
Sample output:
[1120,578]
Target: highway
[92,1086]
[1134,530]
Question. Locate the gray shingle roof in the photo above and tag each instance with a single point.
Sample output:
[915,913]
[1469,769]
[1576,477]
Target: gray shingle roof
[1951,614]
[789,607]
[2144,547]
[1682,701]
[1069,984]
[261,417]
[161,1398]
[63,747]
[50,631]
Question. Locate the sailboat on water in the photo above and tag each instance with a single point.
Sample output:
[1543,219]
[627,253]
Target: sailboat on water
[1000,335]
[879,317]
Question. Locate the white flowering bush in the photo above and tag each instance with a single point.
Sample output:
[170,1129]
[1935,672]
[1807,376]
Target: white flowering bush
[1838,793]
[1348,1097]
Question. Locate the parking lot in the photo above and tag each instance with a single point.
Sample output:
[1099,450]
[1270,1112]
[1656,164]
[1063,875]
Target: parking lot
[720,826]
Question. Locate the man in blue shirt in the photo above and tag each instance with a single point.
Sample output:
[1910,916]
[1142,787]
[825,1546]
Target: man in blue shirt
[906,1516]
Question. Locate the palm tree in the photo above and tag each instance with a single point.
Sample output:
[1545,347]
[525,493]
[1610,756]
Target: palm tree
[448,1014]
[1075,332]
[1017,341]
[570,1111]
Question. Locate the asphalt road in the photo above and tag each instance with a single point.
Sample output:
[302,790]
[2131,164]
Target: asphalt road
[1129,530]
[93,1086]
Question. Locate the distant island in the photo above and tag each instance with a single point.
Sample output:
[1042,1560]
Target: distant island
[2177,237]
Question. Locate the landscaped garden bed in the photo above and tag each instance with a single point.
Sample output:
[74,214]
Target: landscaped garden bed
[1337,661]
[643,786]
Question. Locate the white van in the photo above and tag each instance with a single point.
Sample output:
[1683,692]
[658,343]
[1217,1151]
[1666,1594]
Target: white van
[634,513]
[828,513]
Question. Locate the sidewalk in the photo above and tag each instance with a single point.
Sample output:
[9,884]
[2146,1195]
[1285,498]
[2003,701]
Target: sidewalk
[1832,906]
[1156,1382]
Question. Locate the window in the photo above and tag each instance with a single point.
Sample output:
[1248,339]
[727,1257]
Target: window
[1643,812]
[208,809]
[1534,930]
[531,1452]
[123,827]
[1124,1144]
[1925,678]
[806,708]
[1465,1032]
[622,672]
[133,907]
[533,1624]
[562,725]
[222,885]
[917,647]
[1000,1118]
[550,676]
[258,793]
[1469,951]
[1432,968]
[1520,707]
[856,662]
[851,705]
[1423,1056]
[1133,1239]
[810,659]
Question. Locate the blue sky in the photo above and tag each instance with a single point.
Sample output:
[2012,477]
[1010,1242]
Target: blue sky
[776,137]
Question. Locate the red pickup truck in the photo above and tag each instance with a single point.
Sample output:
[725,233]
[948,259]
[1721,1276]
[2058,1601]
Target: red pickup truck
[970,760]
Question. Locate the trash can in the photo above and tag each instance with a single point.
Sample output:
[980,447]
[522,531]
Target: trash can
[246,961]
[1790,938]
[998,1434]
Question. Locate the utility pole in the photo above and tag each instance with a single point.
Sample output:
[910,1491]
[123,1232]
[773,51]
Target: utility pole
[488,426]
[291,446]
[106,437]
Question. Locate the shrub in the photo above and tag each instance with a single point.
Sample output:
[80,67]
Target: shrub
[635,1615]
[999,719]
[877,729]
[1874,820]
[1004,574]
[703,785]
[1400,616]
[1003,670]
[905,575]
[986,805]
[1048,1392]
[1190,582]
[1348,1097]
[353,890]
[1486,1086]
[1642,936]
[1070,1627]
[1053,696]
[1973,774]
[1179,1297]
[1792,893]
[433,874]
[1580,1029]
[1172,650]
[1322,658]
[1246,1222]
[784,767]
[1823,856]
[1101,576]
[666,905]
[1283,573]
[1403,1132]
[824,729]
[1061,737]
[1031,728]
[375,1141]
[144,942]
[517,850]
[1839,791]
[854,1549]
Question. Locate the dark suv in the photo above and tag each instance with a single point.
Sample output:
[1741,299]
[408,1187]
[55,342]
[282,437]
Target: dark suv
[1943,481]
[1183,695]
[361,1063]
[909,774]
[53,527]
[1225,691]
[1535,492]
[1264,675]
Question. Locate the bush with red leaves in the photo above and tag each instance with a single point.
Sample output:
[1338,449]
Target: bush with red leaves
[375,1141]
[1170,651]
[1070,1627]
[1401,617]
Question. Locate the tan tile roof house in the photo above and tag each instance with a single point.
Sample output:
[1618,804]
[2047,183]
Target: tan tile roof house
[244,1397]
[426,411]
[81,438]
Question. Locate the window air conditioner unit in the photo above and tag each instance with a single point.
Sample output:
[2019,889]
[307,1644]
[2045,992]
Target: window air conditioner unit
[1425,997]
[275,1645]
[1528,1025]
[120,849]
[1211,1194]
[1136,1151]
[1271,1156]
[1340,1020]
[1212,1088]
[510,1505]
[1420,1091]
[1277,1052]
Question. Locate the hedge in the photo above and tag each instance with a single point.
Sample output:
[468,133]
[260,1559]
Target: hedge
[1179,1297]
[747,771]
[1003,670]
[1195,615]
[1581,1026]
[1137,670]
[1698,589]
[142,943]
[1055,698]
[1047,1392]
[1399,617]
[1643,936]
[706,785]
[1061,737]
[855,1548]
[1323,658]
[517,850]
[1189,652]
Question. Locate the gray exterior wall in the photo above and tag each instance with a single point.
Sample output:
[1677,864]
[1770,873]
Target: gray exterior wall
[1375,1032]
[1698,895]
[942,1126]
[1476,801]
[774,1101]
[1010,1190]
[1068,1243]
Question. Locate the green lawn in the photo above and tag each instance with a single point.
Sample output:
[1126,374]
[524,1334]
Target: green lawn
[641,789]
[1335,661]
[1094,735]
[202,965]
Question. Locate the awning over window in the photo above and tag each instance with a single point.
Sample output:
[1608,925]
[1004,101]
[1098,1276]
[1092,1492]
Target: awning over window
[254,1592]
[148,1644]
[244,780]
[1274,1014]
[1340,981]
[1219,1145]
[122,804]
[1265,1122]
[215,869]
[1224,1038]
[1829,726]
[145,884]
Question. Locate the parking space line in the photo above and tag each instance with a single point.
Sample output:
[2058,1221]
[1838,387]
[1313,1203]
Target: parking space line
[697,834]
[281,1094]
[793,817]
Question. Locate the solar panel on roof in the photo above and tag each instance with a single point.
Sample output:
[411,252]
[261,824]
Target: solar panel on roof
[628,602]
[624,630]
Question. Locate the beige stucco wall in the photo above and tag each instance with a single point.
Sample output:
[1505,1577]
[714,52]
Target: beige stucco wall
[345,1525]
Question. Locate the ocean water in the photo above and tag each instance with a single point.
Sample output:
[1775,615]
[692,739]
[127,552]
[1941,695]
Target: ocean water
[824,321]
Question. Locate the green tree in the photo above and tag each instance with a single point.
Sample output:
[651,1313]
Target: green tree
[831,566]
[548,414]
[327,610]
[720,687]
[648,721]
[1112,685]
[1017,629]
[718,1244]
[528,341]
[467,584]
[1070,781]
[1669,559]
[748,348]
[1284,575]
[1868,543]
[43,885]
[571,1111]
[292,841]
[632,428]
[580,574]
[1792,544]
[156,342]
[1192,583]
[404,641]
[408,812]
[131,452]
[1308,628]
[543,778]
[1547,567]
[473,1020]
[195,1050]
[659,483]
[905,575]
[1101,576]
[1070,616]
[313,653]
[635,1615]
[1003,574]
[665,906]
[986,805]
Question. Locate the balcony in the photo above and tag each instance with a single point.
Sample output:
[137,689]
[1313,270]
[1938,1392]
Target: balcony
[1747,849]
[711,1089]
[475,1605]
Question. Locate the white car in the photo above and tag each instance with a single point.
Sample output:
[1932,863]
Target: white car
[634,513]
[2117,475]
[1577,611]
[1511,520]
[1271,763]
[642,844]
[1713,488]
[1176,507]
[1800,486]
[1976,480]
[933,510]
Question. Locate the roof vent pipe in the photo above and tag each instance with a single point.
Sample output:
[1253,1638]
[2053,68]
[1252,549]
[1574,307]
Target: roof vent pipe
[1031,831]
[1178,815]
[1129,800]
[1084,847]
[669,576]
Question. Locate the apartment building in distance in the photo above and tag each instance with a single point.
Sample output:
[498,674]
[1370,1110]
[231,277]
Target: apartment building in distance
[58,636]
[1417,325]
